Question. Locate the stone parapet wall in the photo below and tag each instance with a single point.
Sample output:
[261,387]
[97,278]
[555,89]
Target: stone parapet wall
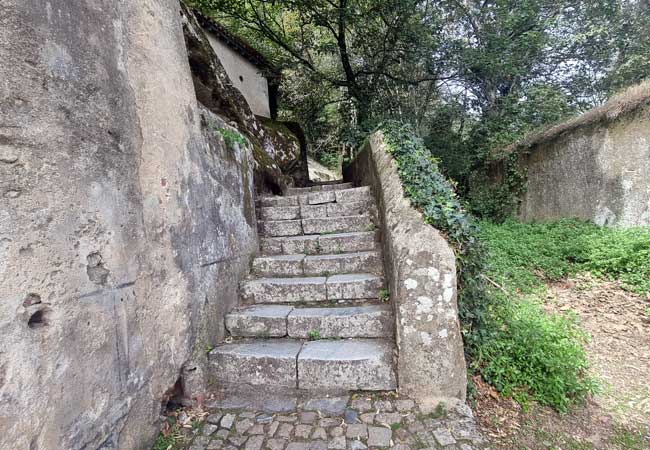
[421,274]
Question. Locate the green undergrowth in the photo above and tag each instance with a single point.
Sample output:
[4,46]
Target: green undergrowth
[524,256]
[534,354]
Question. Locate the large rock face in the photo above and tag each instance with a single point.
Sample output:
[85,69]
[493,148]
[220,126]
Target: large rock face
[125,222]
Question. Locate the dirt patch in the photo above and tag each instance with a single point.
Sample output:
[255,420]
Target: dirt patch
[619,352]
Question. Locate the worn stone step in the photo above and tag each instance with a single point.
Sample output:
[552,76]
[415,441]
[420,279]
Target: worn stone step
[372,321]
[278,201]
[276,228]
[343,263]
[311,289]
[353,286]
[284,290]
[258,321]
[280,212]
[345,224]
[337,209]
[257,362]
[318,265]
[323,244]
[320,187]
[351,364]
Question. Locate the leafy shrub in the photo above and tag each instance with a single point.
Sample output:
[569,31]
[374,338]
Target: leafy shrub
[536,355]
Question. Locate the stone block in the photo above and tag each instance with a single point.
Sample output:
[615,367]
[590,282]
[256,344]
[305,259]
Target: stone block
[347,224]
[313,211]
[280,213]
[259,320]
[279,266]
[317,198]
[300,245]
[259,362]
[348,209]
[284,290]
[355,364]
[342,263]
[360,194]
[372,321]
[276,228]
[353,286]
[278,201]
[348,242]
[379,436]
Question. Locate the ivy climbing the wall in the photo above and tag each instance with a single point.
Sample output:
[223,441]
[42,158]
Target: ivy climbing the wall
[434,195]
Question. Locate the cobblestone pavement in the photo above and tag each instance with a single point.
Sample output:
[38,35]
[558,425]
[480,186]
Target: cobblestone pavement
[356,422]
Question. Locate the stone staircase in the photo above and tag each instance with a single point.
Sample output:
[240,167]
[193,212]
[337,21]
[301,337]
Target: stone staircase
[314,314]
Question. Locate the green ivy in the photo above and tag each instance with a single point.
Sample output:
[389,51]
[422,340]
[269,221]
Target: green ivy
[231,137]
[434,195]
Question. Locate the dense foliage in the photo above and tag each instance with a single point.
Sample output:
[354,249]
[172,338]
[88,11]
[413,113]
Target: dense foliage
[470,75]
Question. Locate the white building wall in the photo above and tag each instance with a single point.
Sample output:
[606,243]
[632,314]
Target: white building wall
[244,76]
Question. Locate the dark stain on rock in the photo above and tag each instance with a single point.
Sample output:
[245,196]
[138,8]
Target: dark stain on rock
[31,299]
[95,269]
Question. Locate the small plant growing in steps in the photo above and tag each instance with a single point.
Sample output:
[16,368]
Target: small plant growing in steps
[384,295]
[313,335]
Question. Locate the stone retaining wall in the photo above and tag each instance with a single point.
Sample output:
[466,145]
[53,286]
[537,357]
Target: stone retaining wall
[421,274]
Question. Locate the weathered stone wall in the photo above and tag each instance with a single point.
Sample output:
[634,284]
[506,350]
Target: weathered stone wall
[599,172]
[125,222]
[421,274]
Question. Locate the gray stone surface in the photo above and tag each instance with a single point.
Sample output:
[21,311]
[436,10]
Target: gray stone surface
[280,212]
[275,228]
[349,209]
[284,290]
[279,266]
[379,436]
[346,224]
[317,198]
[328,405]
[313,211]
[122,210]
[357,262]
[422,282]
[259,320]
[342,322]
[347,242]
[360,194]
[278,201]
[348,364]
[353,286]
[257,362]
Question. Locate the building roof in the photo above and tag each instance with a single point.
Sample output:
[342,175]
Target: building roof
[236,43]
[630,100]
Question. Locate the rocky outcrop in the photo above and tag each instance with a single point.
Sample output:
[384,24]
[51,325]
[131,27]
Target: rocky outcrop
[277,150]
[420,270]
[126,222]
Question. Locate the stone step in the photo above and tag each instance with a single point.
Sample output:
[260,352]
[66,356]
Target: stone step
[371,321]
[311,289]
[321,225]
[345,224]
[258,321]
[323,244]
[320,187]
[351,364]
[318,265]
[316,211]
[257,362]
[351,195]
